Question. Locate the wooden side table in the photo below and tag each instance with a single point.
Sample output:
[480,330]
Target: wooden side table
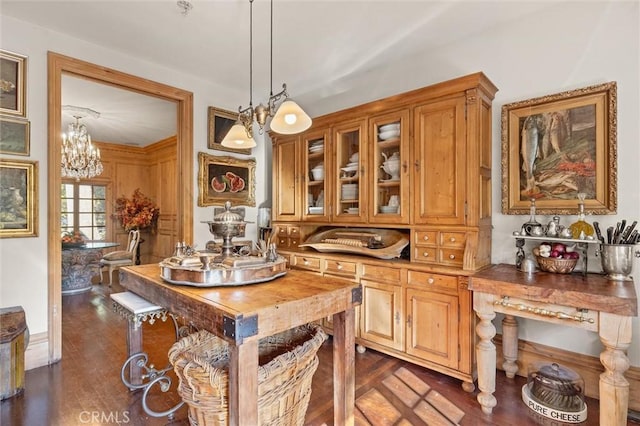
[591,302]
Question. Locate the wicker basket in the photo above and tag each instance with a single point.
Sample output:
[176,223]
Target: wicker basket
[287,362]
[555,265]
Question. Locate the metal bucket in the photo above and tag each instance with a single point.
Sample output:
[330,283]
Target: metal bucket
[617,261]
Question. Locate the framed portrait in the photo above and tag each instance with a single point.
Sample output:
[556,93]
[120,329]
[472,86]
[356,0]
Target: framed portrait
[13,72]
[18,198]
[220,122]
[558,146]
[14,136]
[222,179]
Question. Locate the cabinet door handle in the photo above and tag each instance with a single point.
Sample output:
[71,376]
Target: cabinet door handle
[405,166]
[408,320]
[397,317]
[431,281]
[452,256]
[417,165]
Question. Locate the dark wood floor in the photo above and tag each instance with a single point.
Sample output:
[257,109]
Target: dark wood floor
[85,387]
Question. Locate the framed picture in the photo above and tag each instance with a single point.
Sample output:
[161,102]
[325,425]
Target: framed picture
[557,146]
[18,199]
[13,71]
[220,121]
[14,136]
[222,179]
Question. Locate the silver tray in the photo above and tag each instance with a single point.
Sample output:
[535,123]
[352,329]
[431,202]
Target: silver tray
[235,273]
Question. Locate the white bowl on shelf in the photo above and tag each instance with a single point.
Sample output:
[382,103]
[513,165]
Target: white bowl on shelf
[318,173]
[389,127]
[353,210]
[389,209]
[316,210]
[388,134]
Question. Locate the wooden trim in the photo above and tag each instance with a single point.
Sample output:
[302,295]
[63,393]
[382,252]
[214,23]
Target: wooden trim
[587,366]
[37,353]
[57,66]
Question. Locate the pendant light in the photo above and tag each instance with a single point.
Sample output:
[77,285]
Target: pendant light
[287,119]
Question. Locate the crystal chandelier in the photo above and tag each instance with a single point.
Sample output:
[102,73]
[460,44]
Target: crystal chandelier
[80,159]
[287,119]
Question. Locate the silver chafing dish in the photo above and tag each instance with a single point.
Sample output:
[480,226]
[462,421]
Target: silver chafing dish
[227,268]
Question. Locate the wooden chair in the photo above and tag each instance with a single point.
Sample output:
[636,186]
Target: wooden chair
[115,259]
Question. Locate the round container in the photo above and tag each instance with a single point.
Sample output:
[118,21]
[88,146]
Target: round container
[617,261]
[318,173]
[556,386]
[388,134]
[555,265]
[389,127]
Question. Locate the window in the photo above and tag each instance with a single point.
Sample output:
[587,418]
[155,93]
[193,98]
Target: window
[84,209]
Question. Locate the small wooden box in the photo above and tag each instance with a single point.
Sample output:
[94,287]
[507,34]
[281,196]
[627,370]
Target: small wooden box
[13,339]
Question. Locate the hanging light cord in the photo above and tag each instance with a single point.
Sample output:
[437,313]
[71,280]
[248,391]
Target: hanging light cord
[271,54]
[251,54]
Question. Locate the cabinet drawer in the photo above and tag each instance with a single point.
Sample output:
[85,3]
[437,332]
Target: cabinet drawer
[283,231]
[283,242]
[452,239]
[428,280]
[339,267]
[425,254]
[306,262]
[451,256]
[425,238]
[380,273]
[294,232]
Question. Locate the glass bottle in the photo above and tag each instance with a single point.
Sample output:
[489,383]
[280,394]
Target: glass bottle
[581,229]
[532,227]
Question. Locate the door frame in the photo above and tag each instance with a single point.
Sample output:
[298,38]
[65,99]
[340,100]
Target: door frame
[57,66]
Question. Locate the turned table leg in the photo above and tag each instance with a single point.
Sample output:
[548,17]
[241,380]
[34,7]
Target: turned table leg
[615,335]
[486,350]
[510,345]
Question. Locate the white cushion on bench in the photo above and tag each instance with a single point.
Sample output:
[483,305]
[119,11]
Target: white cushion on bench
[134,303]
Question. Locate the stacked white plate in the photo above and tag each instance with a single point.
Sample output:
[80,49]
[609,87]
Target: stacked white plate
[388,209]
[350,167]
[349,191]
[389,131]
[316,146]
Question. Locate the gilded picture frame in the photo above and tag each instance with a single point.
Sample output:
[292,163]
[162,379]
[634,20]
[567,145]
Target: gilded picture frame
[13,72]
[225,178]
[18,198]
[220,121]
[556,146]
[14,136]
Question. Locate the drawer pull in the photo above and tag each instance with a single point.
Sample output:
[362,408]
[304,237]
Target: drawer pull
[339,266]
[452,239]
[426,238]
[542,312]
[431,281]
[452,256]
[425,254]
[305,262]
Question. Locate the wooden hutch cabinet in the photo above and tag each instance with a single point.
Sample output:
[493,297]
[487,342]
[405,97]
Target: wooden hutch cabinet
[417,162]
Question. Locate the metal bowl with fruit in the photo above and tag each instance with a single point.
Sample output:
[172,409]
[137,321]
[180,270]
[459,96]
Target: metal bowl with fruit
[558,258]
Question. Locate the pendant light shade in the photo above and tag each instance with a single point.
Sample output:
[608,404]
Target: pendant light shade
[237,137]
[290,119]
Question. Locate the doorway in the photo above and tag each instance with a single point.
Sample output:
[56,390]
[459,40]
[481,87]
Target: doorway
[59,65]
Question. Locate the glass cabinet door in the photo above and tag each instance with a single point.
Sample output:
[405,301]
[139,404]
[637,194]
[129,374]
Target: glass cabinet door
[350,158]
[317,165]
[389,160]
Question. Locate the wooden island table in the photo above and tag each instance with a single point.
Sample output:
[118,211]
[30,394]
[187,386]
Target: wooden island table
[242,315]
[591,302]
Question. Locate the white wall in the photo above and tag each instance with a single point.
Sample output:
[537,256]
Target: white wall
[571,46]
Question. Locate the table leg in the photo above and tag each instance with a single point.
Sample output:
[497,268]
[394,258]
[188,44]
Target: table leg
[243,384]
[485,350]
[134,346]
[344,367]
[615,335]
[510,345]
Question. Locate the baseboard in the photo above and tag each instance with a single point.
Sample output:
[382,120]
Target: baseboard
[588,367]
[37,353]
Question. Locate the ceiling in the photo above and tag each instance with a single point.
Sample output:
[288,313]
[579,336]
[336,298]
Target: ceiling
[316,44]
